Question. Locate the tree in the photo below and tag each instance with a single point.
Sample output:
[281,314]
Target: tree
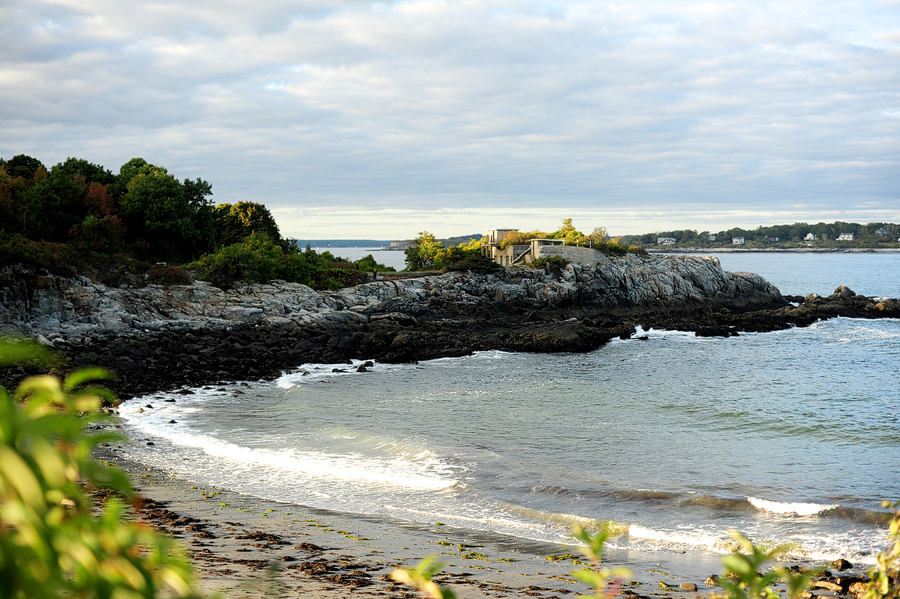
[234,222]
[23,166]
[80,169]
[422,255]
[156,211]
[598,235]
[130,170]
[51,207]
[197,194]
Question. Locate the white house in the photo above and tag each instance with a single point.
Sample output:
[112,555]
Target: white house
[846,237]
[737,240]
[809,237]
[665,240]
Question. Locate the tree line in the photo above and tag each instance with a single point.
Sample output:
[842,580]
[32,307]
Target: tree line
[826,234]
[79,212]
[143,210]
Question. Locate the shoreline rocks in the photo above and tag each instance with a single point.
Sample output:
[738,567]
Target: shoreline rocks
[157,338]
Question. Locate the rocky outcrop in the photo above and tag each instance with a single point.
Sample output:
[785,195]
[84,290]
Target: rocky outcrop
[163,337]
[62,308]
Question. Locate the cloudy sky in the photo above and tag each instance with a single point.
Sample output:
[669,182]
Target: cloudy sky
[379,120]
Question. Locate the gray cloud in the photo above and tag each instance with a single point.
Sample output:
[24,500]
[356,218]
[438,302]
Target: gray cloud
[645,114]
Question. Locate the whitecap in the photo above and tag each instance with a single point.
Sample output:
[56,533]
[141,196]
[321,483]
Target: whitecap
[801,509]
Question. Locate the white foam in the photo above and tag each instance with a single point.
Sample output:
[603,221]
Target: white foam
[693,540]
[658,333]
[399,472]
[778,507]
[314,372]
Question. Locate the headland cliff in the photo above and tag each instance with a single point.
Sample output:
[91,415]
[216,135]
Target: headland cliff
[156,337]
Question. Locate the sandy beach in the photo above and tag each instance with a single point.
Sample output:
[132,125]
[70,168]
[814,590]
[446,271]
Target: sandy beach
[247,547]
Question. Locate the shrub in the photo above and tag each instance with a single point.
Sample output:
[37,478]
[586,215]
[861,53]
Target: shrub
[554,264]
[637,251]
[51,543]
[369,263]
[337,278]
[884,577]
[58,258]
[742,578]
[169,275]
[257,259]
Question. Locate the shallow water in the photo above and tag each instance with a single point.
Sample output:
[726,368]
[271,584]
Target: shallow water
[788,437]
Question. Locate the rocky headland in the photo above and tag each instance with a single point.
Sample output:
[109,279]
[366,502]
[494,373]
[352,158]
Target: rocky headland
[156,337]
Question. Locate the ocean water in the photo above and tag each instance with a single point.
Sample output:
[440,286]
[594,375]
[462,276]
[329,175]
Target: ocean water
[788,437]
[394,258]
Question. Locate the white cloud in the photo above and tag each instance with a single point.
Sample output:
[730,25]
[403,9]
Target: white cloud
[670,110]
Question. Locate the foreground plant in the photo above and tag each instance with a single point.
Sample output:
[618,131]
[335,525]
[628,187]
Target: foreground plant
[884,577]
[51,543]
[421,576]
[742,578]
[605,581]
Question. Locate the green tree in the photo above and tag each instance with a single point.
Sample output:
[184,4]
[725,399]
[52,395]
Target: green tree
[234,222]
[198,193]
[423,254]
[51,207]
[78,169]
[156,211]
[23,166]
[130,170]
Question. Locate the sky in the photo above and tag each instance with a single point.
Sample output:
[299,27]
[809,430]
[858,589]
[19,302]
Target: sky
[353,119]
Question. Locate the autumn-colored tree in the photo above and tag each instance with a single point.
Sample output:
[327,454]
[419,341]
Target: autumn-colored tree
[99,201]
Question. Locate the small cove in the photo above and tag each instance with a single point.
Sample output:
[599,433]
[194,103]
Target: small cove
[787,436]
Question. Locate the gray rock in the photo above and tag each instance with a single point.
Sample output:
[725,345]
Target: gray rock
[76,308]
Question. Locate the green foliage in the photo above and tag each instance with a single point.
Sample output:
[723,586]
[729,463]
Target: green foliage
[369,263]
[554,264]
[742,578]
[422,254]
[169,275]
[56,257]
[233,222]
[98,235]
[884,577]
[257,259]
[156,210]
[23,166]
[597,577]
[51,544]
[421,576]
[638,251]
[427,253]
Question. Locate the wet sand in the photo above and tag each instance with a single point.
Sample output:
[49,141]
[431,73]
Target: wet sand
[248,547]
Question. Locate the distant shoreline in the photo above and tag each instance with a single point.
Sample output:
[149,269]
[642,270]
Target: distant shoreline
[733,250]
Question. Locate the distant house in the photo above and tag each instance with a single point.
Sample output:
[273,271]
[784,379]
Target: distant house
[737,240]
[881,232]
[846,237]
[712,237]
[772,239]
[666,240]
[400,245]
[525,252]
[809,237]
[491,248]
